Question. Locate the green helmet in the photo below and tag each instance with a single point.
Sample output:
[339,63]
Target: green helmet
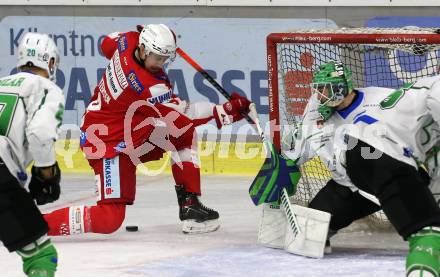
[332,83]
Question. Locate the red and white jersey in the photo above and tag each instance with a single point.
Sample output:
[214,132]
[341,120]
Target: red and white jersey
[124,82]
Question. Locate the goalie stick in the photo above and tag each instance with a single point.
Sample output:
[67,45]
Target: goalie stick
[268,146]
[284,195]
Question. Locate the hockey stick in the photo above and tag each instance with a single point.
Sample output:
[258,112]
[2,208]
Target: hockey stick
[292,171]
[277,174]
[260,190]
[268,183]
[208,77]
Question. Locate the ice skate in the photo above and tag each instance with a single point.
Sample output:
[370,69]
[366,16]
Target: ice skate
[195,217]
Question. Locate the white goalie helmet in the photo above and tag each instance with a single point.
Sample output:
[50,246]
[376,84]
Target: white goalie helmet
[158,39]
[37,49]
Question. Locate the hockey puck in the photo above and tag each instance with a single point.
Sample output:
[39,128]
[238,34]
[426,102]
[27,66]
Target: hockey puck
[132,228]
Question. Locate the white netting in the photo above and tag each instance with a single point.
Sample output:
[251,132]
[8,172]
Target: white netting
[385,65]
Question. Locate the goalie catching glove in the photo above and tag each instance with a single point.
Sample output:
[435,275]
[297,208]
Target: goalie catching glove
[45,188]
[275,174]
[232,110]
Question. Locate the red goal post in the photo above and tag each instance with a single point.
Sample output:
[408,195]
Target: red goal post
[377,57]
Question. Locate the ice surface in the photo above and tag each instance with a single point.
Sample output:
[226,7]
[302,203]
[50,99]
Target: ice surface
[160,249]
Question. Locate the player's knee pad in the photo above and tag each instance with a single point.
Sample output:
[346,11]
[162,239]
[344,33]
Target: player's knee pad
[409,205]
[107,218]
[424,253]
[22,222]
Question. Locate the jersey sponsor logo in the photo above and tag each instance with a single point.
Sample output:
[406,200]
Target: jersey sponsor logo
[112,188]
[120,147]
[122,43]
[392,99]
[120,72]
[76,223]
[22,176]
[160,93]
[103,92]
[82,138]
[98,188]
[134,82]
[408,152]
[116,80]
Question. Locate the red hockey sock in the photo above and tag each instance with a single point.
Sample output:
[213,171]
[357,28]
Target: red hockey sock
[107,218]
[187,174]
[103,219]
[58,222]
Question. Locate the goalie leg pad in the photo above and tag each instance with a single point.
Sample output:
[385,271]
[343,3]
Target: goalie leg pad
[343,204]
[403,193]
[193,227]
[272,229]
[21,221]
[424,253]
[311,239]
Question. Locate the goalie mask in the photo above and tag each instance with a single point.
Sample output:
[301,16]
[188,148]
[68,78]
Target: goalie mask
[332,83]
[38,50]
[158,39]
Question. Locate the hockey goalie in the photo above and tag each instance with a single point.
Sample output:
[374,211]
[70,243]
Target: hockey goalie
[374,142]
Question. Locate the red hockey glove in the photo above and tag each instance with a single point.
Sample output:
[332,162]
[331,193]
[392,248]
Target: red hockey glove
[232,110]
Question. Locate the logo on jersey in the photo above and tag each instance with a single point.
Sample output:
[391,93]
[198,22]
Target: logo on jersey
[134,82]
[82,138]
[76,220]
[103,92]
[22,176]
[115,77]
[120,147]
[392,99]
[98,188]
[160,93]
[122,43]
[112,187]
[362,117]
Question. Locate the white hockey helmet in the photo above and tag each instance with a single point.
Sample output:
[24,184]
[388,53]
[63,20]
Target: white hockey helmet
[158,39]
[37,49]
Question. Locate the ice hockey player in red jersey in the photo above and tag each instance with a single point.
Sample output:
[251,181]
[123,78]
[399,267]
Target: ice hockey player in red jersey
[134,117]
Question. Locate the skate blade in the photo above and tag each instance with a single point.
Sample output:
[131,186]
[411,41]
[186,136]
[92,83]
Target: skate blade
[193,227]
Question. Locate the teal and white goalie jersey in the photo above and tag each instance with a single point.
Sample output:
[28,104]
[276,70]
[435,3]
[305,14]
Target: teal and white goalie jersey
[31,110]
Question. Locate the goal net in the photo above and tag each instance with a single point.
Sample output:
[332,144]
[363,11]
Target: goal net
[376,57]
